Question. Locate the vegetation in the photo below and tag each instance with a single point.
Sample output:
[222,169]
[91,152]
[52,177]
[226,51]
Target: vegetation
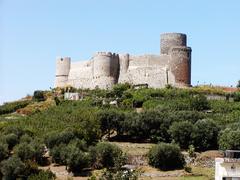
[166,157]
[38,96]
[106,155]
[229,139]
[13,106]
[72,131]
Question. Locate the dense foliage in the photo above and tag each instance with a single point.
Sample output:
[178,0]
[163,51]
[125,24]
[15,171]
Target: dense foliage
[13,106]
[166,157]
[199,117]
[106,155]
[38,96]
[230,139]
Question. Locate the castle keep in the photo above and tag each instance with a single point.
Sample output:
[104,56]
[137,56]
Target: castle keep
[104,69]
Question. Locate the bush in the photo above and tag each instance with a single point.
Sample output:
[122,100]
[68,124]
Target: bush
[11,140]
[14,130]
[106,155]
[59,154]
[151,124]
[64,137]
[33,150]
[110,120]
[3,151]
[39,150]
[77,159]
[181,133]
[236,96]
[12,168]
[38,96]
[229,139]
[24,151]
[119,89]
[13,106]
[166,157]
[205,135]
[42,175]
[199,103]
[25,139]
[74,155]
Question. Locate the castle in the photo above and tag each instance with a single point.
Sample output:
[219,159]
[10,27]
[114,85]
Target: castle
[104,69]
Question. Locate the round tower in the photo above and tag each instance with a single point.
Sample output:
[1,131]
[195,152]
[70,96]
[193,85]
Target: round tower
[124,63]
[180,65]
[169,40]
[105,69]
[62,71]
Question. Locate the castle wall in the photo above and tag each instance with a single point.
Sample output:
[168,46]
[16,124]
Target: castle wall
[148,69]
[80,74]
[172,66]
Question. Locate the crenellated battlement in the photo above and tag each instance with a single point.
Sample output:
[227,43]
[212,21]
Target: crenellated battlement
[102,54]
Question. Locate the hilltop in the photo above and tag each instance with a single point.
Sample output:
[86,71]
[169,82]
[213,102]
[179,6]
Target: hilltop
[133,119]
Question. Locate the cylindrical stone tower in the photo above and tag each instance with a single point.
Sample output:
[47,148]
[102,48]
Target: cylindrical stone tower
[105,69]
[169,40]
[124,63]
[62,71]
[180,65]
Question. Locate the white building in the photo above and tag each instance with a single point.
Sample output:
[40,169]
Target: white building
[228,168]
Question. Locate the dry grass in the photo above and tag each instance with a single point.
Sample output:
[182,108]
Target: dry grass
[134,149]
[36,107]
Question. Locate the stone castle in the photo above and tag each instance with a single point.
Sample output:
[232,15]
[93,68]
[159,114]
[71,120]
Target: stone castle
[104,69]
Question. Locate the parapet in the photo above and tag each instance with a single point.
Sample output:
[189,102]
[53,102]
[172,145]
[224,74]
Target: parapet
[109,54]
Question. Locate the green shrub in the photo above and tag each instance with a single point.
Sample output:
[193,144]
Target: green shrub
[38,96]
[199,103]
[11,140]
[229,139]
[14,130]
[106,155]
[205,135]
[74,155]
[127,103]
[119,89]
[12,168]
[42,175]
[110,120]
[236,97]
[3,151]
[77,159]
[181,133]
[24,151]
[59,154]
[151,124]
[166,157]
[13,106]
[25,139]
[64,137]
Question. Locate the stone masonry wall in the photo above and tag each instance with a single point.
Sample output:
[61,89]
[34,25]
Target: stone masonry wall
[172,66]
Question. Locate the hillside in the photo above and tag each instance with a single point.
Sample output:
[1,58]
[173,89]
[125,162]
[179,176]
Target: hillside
[35,131]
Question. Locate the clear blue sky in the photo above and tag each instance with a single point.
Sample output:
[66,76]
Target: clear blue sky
[34,32]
